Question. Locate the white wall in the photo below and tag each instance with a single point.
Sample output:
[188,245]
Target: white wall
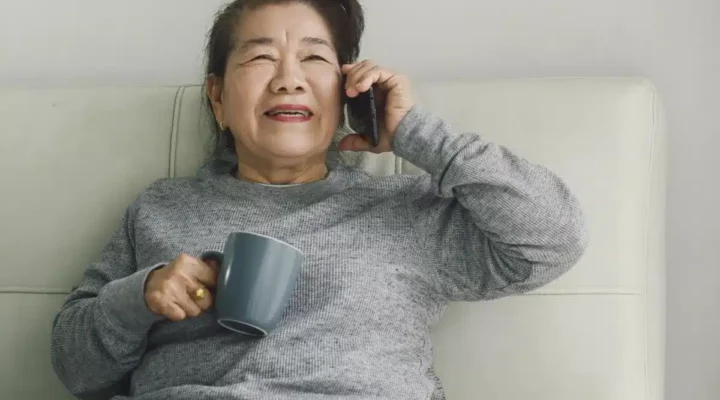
[675,43]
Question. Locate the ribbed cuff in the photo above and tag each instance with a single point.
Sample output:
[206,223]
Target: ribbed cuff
[123,302]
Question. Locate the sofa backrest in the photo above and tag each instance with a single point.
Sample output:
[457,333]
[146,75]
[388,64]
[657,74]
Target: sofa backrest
[71,160]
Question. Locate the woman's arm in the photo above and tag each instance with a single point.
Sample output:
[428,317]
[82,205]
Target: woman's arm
[100,334]
[492,224]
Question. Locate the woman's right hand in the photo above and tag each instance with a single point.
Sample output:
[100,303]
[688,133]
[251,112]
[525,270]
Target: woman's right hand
[171,290]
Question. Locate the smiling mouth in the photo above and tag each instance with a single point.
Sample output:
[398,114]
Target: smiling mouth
[289,113]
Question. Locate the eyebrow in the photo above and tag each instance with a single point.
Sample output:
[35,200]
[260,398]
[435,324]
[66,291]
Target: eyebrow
[264,41]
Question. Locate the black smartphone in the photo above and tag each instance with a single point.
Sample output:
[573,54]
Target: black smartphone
[362,116]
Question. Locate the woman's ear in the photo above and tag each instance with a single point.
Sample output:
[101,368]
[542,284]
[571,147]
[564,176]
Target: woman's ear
[214,87]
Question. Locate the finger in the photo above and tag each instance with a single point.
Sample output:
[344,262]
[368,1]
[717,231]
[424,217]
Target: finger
[348,69]
[212,263]
[354,76]
[366,81]
[345,68]
[174,312]
[354,142]
[197,272]
[188,305]
[205,301]
[207,273]
[382,78]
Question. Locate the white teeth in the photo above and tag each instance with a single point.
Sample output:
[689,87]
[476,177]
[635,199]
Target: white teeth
[280,112]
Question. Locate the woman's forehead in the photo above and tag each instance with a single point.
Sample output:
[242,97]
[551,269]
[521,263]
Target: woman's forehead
[280,23]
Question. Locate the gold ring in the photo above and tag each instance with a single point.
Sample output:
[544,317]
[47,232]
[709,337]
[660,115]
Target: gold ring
[200,294]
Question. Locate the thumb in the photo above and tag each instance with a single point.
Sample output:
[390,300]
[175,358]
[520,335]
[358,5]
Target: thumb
[354,142]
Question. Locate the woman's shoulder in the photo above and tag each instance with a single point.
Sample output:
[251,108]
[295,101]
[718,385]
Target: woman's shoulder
[171,190]
[386,183]
[175,185]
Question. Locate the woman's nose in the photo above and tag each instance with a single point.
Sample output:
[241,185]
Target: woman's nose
[288,87]
[289,79]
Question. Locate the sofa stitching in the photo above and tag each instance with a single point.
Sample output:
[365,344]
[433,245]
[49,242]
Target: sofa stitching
[174,129]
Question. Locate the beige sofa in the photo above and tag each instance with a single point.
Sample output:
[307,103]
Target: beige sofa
[72,159]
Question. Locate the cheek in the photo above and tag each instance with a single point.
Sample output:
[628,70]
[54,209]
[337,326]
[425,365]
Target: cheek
[327,91]
[244,91]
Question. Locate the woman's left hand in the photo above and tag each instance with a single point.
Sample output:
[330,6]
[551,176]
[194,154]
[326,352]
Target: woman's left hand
[392,94]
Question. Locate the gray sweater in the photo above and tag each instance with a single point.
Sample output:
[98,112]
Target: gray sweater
[384,256]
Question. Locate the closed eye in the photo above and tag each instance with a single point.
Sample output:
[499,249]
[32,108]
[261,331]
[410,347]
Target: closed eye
[263,57]
[315,58]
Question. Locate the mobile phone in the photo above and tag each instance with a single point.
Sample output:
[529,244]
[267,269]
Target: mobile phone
[362,116]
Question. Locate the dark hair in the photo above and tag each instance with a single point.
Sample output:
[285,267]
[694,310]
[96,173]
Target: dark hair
[345,19]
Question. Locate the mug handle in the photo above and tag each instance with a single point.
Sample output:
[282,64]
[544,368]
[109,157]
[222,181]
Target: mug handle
[213,255]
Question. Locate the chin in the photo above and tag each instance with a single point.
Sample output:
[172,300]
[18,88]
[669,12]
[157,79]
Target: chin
[294,148]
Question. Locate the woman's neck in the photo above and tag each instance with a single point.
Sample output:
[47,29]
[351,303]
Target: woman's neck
[282,175]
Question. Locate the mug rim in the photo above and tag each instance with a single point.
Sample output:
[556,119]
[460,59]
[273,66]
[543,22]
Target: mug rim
[271,238]
[222,321]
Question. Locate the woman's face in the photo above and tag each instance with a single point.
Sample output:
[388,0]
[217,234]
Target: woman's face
[281,92]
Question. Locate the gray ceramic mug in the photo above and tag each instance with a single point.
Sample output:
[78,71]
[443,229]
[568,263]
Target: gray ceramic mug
[257,277]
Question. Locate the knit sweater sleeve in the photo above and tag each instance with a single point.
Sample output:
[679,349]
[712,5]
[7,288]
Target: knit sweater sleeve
[100,333]
[489,223]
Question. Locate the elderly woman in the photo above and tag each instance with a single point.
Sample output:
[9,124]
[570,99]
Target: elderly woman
[384,255]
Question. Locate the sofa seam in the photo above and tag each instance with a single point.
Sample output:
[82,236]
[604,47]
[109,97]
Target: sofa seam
[174,128]
[648,204]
